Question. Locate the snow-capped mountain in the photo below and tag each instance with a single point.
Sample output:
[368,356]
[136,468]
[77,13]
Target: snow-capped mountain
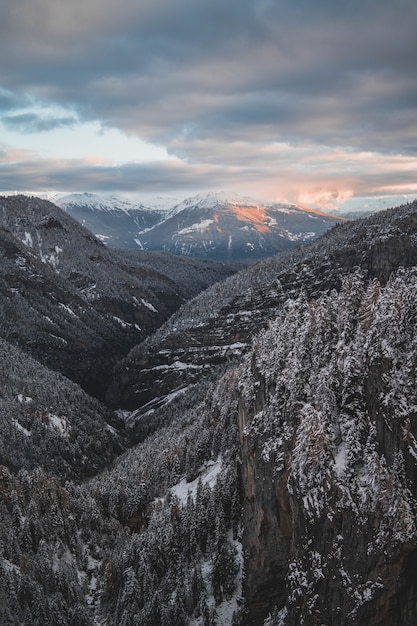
[358,207]
[212,200]
[227,226]
[219,226]
[96,202]
[114,220]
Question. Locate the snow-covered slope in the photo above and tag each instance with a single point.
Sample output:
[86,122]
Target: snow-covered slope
[96,202]
[325,403]
[219,324]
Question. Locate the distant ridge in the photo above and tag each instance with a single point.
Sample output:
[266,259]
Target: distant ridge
[221,226]
[226,226]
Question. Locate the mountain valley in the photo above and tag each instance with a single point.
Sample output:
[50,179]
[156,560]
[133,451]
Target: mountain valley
[249,455]
[87,304]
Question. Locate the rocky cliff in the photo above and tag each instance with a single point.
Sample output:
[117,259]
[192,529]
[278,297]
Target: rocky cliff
[327,424]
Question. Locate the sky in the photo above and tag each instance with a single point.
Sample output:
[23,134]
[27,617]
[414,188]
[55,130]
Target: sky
[306,101]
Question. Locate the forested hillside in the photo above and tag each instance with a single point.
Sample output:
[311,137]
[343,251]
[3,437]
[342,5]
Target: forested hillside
[47,421]
[75,305]
[219,324]
[275,487]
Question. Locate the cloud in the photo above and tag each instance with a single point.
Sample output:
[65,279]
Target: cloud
[34,123]
[241,90]
[20,170]
[279,171]
[10,101]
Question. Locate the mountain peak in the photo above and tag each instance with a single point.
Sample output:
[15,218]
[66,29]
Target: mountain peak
[213,199]
[97,202]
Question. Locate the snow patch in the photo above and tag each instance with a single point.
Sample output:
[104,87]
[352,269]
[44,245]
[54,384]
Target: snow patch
[340,459]
[131,417]
[208,476]
[89,292]
[122,323]
[24,399]
[148,305]
[224,612]
[52,258]
[59,424]
[9,566]
[176,365]
[298,236]
[21,428]
[28,241]
[202,225]
[61,339]
[68,309]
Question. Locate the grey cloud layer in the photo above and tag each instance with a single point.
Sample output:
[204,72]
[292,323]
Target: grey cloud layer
[34,123]
[322,175]
[212,73]
[78,174]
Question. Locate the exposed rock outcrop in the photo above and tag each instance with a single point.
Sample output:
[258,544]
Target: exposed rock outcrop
[328,427]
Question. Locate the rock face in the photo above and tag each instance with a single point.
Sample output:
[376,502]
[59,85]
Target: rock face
[328,431]
[268,523]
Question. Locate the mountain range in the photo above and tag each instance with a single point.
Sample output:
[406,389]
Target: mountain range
[218,226]
[250,460]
